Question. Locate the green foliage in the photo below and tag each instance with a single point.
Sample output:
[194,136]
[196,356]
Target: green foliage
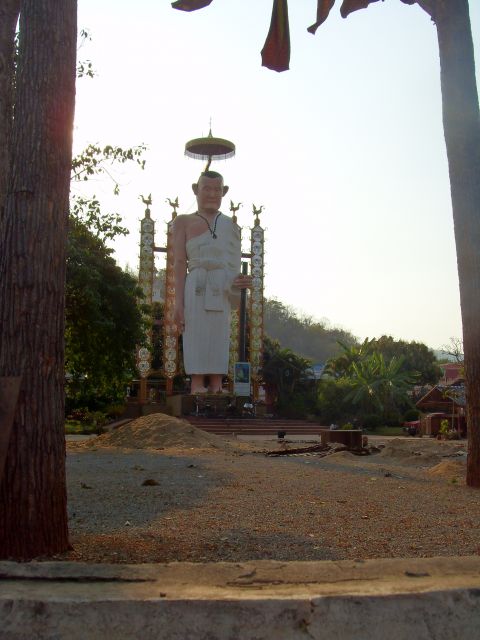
[289,377]
[296,405]
[372,422]
[103,321]
[114,411]
[379,386]
[74,427]
[386,431]
[367,384]
[85,67]
[444,427]
[103,225]
[98,161]
[447,432]
[333,404]
[351,354]
[417,357]
[411,415]
[348,426]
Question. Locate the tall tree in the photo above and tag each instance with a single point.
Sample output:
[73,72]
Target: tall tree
[9,12]
[287,378]
[461,123]
[416,357]
[103,320]
[380,385]
[342,365]
[32,279]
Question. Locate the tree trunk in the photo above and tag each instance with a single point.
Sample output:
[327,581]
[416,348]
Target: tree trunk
[461,120]
[33,515]
[9,10]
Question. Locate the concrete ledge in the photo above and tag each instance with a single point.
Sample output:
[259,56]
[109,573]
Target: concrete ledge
[420,599]
[351,438]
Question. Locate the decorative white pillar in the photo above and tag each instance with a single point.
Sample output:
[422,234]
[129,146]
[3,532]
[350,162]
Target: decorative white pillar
[170,331]
[145,281]
[256,303]
[235,317]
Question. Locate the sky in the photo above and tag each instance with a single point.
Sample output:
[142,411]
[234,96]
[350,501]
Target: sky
[345,151]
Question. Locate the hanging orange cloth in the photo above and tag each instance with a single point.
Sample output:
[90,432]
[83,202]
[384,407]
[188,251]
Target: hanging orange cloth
[276,50]
[323,9]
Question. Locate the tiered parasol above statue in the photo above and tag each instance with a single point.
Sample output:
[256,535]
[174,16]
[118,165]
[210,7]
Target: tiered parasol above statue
[209,148]
[190,5]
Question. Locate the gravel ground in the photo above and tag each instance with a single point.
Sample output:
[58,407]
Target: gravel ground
[217,504]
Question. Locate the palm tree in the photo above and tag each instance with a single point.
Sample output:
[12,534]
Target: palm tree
[379,385]
[351,354]
[283,369]
[288,378]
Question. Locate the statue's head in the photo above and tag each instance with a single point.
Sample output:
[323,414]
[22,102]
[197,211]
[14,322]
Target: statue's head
[209,191]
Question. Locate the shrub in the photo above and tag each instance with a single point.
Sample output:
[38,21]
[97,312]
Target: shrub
[392,420]
[348,426]
[114,411]
[332,401]
[411,415]
[444,427]
[80,414]
[293,406]
[453,435]
[372,421]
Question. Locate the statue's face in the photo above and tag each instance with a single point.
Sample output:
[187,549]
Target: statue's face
[209,193]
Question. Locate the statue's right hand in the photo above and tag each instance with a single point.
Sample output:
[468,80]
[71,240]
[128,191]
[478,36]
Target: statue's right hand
[179,318]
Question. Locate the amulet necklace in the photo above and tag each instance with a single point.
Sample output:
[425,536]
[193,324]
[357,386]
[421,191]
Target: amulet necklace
[212,231]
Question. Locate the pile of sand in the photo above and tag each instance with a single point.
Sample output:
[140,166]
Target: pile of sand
[449,469]
[334,456]
[424,452]
[160,431]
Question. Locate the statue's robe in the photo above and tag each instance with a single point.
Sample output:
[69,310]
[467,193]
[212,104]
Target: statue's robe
[212,265]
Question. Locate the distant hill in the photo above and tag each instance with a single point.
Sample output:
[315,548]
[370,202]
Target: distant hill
[309,338]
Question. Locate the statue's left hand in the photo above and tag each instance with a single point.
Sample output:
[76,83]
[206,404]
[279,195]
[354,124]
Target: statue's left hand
[243,282]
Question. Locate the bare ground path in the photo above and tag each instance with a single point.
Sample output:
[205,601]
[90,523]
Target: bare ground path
[211,502]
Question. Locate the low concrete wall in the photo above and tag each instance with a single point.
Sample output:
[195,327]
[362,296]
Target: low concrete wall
[351,438]
[418,599]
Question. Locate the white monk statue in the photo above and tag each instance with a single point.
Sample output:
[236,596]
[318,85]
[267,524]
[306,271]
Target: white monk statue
[207,260]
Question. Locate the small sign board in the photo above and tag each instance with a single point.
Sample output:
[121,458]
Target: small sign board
[241,379]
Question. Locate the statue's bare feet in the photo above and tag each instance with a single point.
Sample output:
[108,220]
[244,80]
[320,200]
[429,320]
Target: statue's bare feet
[215,385]
[197,384]
[196,391]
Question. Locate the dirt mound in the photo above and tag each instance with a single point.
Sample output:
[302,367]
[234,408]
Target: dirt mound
[341,455]
[420,453]
[448,469]
[160,431]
